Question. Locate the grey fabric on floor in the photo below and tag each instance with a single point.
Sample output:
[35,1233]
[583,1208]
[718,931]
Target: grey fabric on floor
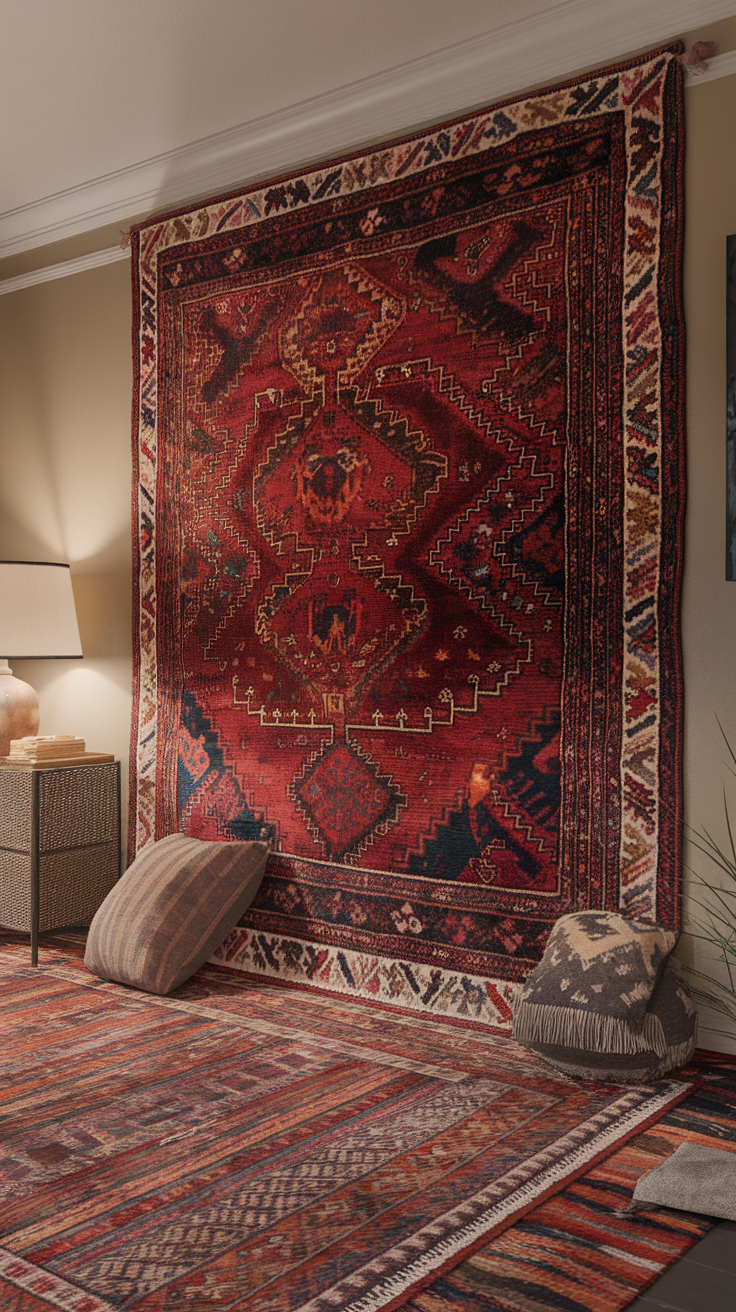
[693,1179]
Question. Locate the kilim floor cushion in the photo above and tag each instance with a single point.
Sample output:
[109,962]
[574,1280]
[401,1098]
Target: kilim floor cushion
[408,513]
[605,1001]
[244,1145]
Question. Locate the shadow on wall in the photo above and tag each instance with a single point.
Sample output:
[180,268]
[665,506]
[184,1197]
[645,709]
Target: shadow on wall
[104,600]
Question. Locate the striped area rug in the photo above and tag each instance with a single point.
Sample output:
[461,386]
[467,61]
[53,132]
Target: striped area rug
[245,1145]
[577,1252]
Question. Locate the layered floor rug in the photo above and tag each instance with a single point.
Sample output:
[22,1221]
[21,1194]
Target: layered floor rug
[582,1250]
[242,1144]
[408,511]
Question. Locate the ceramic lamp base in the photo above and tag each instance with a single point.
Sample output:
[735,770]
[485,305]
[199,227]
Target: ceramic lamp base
[19,713]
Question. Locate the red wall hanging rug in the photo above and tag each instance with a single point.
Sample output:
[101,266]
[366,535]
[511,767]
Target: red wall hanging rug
[408,512]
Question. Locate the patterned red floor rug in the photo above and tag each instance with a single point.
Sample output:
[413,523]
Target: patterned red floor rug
[244,1145]
[408,511]
[580,1251]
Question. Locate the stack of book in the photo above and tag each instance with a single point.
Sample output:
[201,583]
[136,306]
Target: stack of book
[48,747]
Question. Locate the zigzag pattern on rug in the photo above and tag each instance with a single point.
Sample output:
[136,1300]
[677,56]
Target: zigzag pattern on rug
[250,1145]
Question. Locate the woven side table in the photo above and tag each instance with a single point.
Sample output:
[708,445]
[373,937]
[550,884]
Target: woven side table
[59,843]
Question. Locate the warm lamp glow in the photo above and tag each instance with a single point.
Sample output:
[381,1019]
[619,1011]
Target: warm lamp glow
[37,615]
[37,619]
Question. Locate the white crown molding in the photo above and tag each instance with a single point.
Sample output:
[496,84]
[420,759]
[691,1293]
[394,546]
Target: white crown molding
[51,271]
[573,34]
[718,66]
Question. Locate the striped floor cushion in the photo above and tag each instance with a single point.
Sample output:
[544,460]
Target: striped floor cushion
[173,906]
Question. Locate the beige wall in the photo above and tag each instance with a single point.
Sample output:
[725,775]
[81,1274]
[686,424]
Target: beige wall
[709,602]
[65,488]
[65,392]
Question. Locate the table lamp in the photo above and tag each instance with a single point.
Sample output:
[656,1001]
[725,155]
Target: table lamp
[37,620]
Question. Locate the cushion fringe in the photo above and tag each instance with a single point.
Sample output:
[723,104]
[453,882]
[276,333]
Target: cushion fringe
[594,1031]
[677,1056]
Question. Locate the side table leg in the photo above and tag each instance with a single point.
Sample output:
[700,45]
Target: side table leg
[34,865]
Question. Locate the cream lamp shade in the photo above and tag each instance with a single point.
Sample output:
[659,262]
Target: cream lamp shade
[37,620]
